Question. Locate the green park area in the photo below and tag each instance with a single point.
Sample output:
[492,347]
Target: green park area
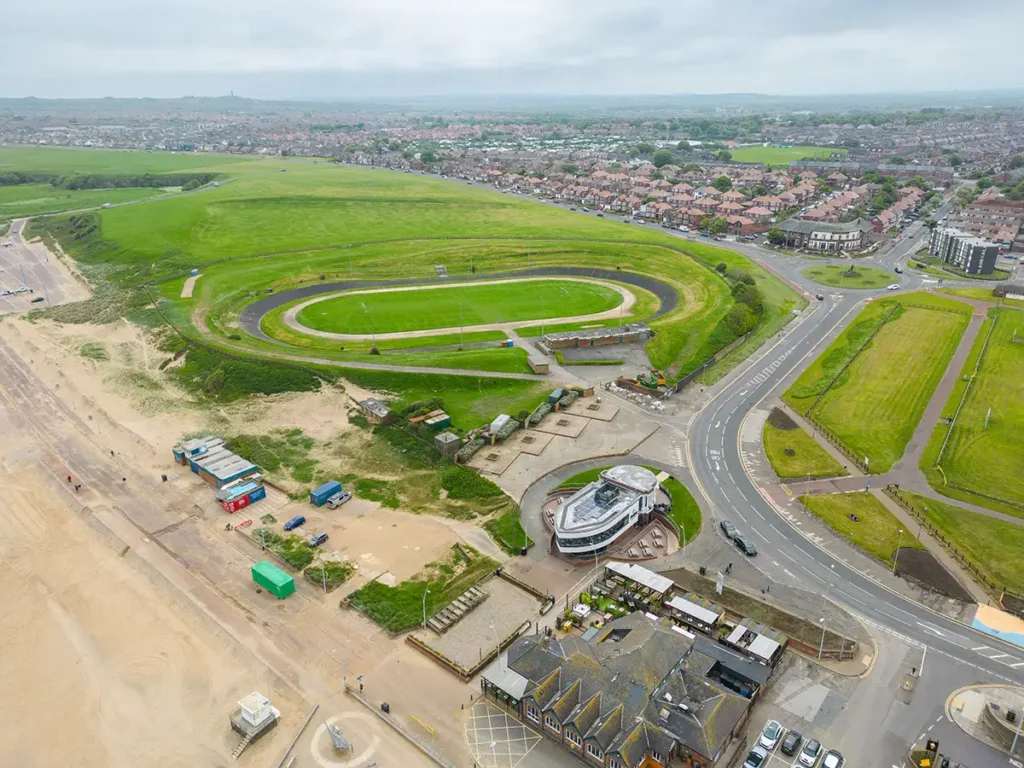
[982,294]
[262,225]
[992,546]
[450,306]
[782,155]
[795,454]
[864,521]
[871,386]
[849,277]
[983,451]
[401,607]
[685,510]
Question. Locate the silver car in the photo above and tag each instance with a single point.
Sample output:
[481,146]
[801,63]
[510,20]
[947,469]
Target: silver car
[757,757]
[810,753]
[770,734]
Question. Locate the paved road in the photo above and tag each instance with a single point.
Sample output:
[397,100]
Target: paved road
[22,266]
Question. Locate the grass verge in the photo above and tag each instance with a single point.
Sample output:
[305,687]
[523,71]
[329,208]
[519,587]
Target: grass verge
[507,531]
[876,531]
[795,454]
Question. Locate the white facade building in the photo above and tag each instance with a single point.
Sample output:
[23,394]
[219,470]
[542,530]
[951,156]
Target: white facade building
[602,511]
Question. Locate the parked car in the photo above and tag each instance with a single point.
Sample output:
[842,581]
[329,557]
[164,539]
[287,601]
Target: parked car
[770,734]
[684,229]
[572,207]
[585,209]
[745,545]
[893,287]
[791,743]
[810,753]
[728,529]
[600,214]
[338,499]
[833,759]
[317,539]
[37,299]
[755,758]
[294,523]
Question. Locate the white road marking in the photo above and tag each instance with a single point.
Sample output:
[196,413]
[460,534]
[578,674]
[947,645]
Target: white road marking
[786,555]
[901,621]
[998,656]
[814,575]
[760,534]
[982,648]
[1018,664]
[851,597]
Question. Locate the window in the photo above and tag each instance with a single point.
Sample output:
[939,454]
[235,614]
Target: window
[573,738]
[594,751]
[657,756]
[613,763]
[551,723]
[532,713]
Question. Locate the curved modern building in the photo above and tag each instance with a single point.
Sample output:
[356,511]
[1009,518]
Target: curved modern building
[602,511]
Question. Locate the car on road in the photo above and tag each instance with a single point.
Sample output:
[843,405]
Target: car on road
[37,299]
[833,759]
[317,539]
[899,270]
[684,229]
[338,499]
[819,296]
[893,287]
[728,529]
[745,545]
[572,207]
[585,209]
[810,753]
[601,215]
[770,734]
[294,523]
[791,743]
[756,758]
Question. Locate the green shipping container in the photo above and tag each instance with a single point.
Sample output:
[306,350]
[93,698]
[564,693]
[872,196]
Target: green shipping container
[273,579]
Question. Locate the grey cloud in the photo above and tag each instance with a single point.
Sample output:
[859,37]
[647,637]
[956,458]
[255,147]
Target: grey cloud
[334,48]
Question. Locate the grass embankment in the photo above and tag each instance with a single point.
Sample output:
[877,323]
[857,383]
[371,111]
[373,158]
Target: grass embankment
[292,548]
[450,306]
[685,510]
[507,530]
[795,454]
[329,574]
[783,155]
[949,270]
[992,545]
[875,404]
[876,531]
[400,608]
[982,294]
[852,277]
[984,454]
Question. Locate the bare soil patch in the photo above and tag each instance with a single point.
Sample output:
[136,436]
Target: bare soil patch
[780,419]
[920,566]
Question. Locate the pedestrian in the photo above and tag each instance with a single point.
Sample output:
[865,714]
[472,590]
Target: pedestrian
[124,479]
[768,589]
[69,478]
[762,591]
[78,487]
[111,454]
[360,686]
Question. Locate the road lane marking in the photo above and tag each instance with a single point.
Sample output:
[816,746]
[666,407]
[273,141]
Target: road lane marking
[894,618]
[851,597]
[814,575]
[760,534]
[786,555]
[983,648]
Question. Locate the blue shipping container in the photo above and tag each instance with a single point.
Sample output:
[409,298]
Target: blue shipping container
[319,496]
[256,495]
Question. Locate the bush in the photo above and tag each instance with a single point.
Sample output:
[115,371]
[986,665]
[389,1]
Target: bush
[462,483]
[722,267]
[292,549]
[214,383]
[336,573]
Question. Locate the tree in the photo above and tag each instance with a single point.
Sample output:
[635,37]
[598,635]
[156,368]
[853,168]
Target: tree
[775,236]
[570,168]
[645,148]
[722,267]
[897,160]
[760,190]
[722,183]
[662,158]
[1017,161]
[428,155]
[718,226]
[705,224]
[723,156]
[956,161]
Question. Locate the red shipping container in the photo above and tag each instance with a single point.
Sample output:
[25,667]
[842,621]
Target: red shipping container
[235,504]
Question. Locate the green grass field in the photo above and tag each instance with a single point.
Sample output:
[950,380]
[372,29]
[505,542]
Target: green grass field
[982,294]
[447,307]
[793,453]
[993,545]
[839,276]
[781,155]
[987,458]
[875,405]
[34,199]
[277,223]
[877,531]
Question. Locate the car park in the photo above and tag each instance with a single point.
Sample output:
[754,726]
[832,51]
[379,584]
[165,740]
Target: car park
[833,759]
[338,499]
[756,758]
[317,539]
[810,753]
[791,743]
[770,734]
[294,523]
[745,545]
[728,529]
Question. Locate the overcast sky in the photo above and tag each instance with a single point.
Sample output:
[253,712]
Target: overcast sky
[345,48]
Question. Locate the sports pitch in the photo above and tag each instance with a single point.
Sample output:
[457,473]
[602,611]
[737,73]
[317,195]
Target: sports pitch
[432,307]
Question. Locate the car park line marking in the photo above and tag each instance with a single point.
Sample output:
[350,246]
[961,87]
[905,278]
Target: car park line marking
[982,648]
[1018,664]
[998,656]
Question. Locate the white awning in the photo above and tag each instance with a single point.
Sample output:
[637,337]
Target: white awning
[763,647]
[641,575]
[698,612]
[736,634]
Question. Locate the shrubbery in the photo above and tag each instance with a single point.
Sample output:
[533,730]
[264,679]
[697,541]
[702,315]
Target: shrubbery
[462,483]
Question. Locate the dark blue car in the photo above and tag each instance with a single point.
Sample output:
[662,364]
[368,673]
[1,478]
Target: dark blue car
[294,523]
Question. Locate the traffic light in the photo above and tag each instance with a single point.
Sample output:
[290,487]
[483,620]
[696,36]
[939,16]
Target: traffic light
[932,746]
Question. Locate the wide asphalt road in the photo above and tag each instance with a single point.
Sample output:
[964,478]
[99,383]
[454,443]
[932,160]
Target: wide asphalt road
[716,462]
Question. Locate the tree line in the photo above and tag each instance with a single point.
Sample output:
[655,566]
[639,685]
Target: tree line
[187,181]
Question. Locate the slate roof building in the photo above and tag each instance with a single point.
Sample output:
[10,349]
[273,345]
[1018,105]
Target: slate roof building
[640,692]
[824,235]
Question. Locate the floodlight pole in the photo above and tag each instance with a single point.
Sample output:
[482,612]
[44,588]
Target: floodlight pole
[460,323]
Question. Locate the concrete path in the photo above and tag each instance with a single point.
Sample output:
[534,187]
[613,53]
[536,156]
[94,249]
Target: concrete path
[189,286]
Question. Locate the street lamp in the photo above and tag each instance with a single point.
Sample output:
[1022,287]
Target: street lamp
[896,554]
[821,646]
[497,645]
[425,593]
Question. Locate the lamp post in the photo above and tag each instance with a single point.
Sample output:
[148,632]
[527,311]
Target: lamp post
[824,622]
[425,593]
[896,554]
[497,645]
[821,646]
[460,323]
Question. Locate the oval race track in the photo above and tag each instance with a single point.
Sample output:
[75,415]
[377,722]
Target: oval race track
[252,315]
